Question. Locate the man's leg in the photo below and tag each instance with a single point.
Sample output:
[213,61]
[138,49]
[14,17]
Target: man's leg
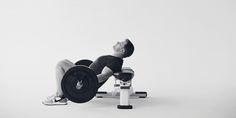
[61,69]
[58,99]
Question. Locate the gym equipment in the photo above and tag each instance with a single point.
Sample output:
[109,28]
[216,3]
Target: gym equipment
[123,89]
[84,62]
[79,84]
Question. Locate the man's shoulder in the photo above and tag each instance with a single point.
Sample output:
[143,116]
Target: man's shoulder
[103,56]
[106,56]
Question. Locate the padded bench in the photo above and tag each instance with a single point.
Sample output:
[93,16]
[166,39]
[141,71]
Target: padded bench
[123,89]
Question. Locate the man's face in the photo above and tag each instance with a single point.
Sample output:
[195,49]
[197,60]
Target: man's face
[119,46]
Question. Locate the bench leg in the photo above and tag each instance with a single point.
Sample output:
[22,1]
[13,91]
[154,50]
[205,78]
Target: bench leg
[123,91]
[124,96]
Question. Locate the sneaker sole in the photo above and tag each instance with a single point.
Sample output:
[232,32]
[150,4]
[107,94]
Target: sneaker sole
[54,104]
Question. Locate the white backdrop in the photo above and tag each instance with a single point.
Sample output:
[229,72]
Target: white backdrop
[184,57]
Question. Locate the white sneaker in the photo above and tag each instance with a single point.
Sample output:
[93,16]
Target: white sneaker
[52,96]
[55,100]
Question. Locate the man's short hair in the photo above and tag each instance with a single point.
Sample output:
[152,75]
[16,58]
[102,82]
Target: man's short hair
[129,49]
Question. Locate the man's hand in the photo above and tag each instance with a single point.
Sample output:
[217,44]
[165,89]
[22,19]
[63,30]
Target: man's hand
[106,73]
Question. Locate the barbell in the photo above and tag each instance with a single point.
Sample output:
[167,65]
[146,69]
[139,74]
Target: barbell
[80,83]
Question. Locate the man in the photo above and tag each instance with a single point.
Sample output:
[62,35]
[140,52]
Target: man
[104,67]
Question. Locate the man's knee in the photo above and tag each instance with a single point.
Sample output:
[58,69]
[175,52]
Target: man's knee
[64,64]
[61,63]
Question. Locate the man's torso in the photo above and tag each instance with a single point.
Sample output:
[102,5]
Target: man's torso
[114,63]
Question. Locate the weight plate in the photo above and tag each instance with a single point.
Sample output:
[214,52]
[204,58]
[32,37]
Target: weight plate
[84,62]
[79,84]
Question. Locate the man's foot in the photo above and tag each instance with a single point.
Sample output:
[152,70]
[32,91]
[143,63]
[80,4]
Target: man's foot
[52,96]
[55,100]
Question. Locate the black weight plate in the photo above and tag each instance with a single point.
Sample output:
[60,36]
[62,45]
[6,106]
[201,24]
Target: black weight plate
[79,84]
[84,62]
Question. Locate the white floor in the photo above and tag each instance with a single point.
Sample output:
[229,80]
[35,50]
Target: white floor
[23,99]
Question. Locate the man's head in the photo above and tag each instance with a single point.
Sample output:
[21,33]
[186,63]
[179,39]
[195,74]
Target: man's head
[126,48]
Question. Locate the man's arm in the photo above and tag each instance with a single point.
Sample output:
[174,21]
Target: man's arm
[106,73]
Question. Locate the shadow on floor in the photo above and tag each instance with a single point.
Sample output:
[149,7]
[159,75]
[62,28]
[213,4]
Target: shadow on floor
[137,103]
